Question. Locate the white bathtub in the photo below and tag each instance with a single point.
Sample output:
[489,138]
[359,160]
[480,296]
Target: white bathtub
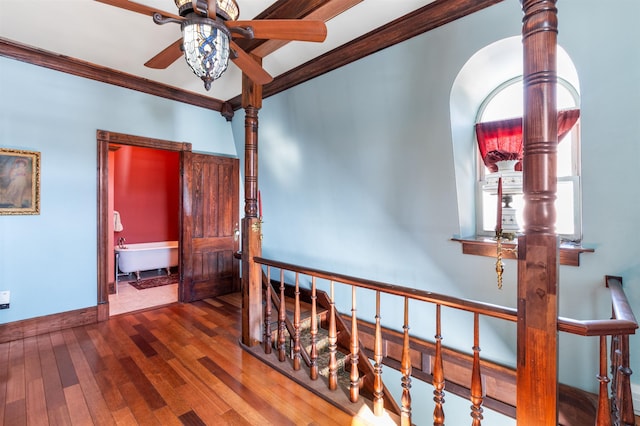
[146,256]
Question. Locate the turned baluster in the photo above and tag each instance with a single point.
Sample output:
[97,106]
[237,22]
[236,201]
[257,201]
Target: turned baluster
[476,377]
[354,388]
[603,417]
[296,327]
[378,401]
[313,356]
[333,346]
[282,315]
[267,315]
[438,375]
[615,362]
[405,370]
[623,385]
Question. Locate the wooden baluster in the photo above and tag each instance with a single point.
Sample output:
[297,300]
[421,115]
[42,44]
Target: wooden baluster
[615,362]
[623,389]
[354,388]
[296,326]
[603,416]
[378,393]
[405,370]
[282,315]
[476,377]
[438,375]
[267,315]
[313,356]
[333,346]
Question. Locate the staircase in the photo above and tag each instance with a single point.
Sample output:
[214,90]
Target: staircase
[340,397]
[322,347]
[327,354]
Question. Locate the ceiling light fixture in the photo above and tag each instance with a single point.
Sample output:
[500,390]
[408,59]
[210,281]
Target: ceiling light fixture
[205,41]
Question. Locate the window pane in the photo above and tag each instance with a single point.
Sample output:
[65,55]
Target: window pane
[505,104]
[490,206]
[565,159]
[564,97]
[564,208]
[565,214]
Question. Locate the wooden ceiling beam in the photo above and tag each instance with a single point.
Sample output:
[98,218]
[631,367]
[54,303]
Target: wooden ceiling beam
[429,17]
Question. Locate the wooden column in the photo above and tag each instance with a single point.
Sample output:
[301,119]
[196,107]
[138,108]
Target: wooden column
[251,224]
[538,252]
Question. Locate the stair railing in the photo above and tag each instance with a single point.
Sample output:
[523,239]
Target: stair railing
[293,328]
[284,326]
[615,407]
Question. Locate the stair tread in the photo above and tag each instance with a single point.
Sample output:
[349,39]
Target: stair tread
[362,410]
[305,307]
[343,365]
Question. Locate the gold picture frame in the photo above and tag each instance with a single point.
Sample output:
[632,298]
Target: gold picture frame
[19,182]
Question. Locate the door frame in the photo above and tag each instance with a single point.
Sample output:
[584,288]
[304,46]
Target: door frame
[104,139]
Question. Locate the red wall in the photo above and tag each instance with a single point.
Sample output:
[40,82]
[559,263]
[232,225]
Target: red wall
[146,194]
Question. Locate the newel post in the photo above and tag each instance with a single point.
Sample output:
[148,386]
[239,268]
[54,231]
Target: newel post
[538,252]
[251,224]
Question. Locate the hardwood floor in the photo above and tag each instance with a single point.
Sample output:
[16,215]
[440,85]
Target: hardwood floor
[178,364]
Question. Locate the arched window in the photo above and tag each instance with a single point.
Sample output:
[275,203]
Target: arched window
[502,109]
[488,89]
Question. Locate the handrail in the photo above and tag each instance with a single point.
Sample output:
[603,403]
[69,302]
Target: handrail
[623,323]
[488,309]
[621,305]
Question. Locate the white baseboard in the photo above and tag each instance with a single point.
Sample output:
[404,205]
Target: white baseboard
[635,391]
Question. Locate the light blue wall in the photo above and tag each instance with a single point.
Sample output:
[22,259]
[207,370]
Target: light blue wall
[49,261]
[357,177]
[608,63]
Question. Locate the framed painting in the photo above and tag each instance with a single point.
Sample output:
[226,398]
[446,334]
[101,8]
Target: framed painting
[19,182]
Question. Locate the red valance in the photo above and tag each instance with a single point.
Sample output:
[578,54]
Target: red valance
[502,139]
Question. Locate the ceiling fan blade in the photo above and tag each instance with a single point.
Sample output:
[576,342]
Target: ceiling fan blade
[137,7]
[165,58]
[249,66]
[284,29]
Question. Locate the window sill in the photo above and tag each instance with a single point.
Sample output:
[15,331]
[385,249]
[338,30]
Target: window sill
[485,246]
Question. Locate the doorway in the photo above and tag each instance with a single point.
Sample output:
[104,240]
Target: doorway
[140,165]
[144,198]
[207,220]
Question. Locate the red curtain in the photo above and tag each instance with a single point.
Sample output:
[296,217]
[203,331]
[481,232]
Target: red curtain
[502,140]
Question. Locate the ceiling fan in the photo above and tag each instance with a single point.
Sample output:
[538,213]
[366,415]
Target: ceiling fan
[208,29]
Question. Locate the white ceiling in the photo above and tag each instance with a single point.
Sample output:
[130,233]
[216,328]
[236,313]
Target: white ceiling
[123,40]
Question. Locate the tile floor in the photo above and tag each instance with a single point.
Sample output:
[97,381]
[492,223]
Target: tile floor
[129,299]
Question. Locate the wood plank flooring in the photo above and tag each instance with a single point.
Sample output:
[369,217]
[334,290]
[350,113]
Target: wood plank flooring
[176,365]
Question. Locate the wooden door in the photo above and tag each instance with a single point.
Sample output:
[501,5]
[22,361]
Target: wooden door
[209,236]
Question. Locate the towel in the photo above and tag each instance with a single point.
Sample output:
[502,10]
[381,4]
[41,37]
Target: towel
[117,224]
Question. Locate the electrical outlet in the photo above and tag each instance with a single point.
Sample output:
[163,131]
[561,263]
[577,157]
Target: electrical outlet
[5,298]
